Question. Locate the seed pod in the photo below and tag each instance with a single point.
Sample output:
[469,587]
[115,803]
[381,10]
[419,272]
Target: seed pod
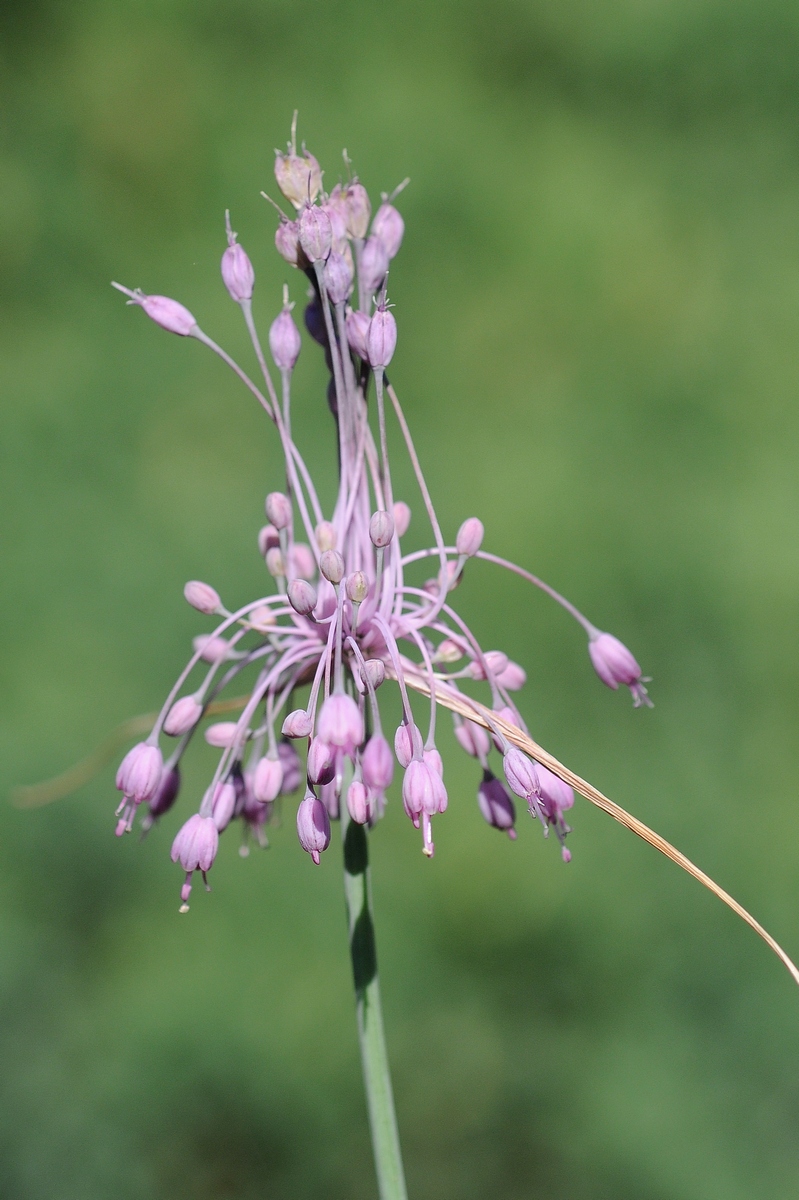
[316,233]
[284,341]
[298,177]
[238,275]
[357,332]
[389,227]
[381,340]
[372,266]
[165,312]
[287,242]
[338,278]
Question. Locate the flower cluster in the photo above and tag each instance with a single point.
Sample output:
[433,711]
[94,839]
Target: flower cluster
[340,617]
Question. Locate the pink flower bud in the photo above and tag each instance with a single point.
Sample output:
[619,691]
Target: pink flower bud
[358,804]
[212,649]
[520,774]
[237,273]
[221,734]
[381,529]
[287,242]
[473,739]
[357,332]
[202,597]
[357,587]
[321,765]
[165,796]
[372,266]
[496,805]
[292,767]
[297,724]
[284,341]
[224,803]
[338,278]
[614,664]
[470,537]
[556,795]
[267,779]
[449,651]
[389,227]
[377,763]
[262,618]
[358,209]
[341,723]
[299,178]
[381,341]
[313,826]
[182,716]
[302,561]
[278,510]
[407,744]
[316,233]
[326,536]
[495,661]
[302,597]
[513,678]
[402,518]
[373,670]
[268,537]
[275,563]
[139,773]
[331,564]
[509,714]
[165,312]
[196,844]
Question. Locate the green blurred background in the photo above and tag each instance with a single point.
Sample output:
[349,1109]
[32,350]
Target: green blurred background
[598,300]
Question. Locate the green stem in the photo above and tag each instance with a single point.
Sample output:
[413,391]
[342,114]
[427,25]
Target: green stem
[374,1055]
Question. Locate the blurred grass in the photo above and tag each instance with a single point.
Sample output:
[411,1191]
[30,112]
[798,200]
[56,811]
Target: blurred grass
[598,300]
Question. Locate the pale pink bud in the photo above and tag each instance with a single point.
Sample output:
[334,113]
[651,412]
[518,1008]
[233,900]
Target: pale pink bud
[614,664]
[326,536]
[474,739]
[402,518]
[513,677]
[292,767]
[357,332]
[407,743]
[520,774]
[357,587]
[358,804]
[556,795]
[223,804]
[495,661]
[374,671]
[299,178]
[321,765]
[313,826]
[165,796]
[470,537]
[165,312]
[302,597]
[338,277]
[139,773]
[381,529]
[297,724]
[302,561]
[275,563]
[284,341]
[221,734]
[372,266]
[377,763]
[381,341]
[267,779]
[316,233]
[262,618]
[196,844]
[268,537]
[496,805]
[330,799]
[331,564]
[389,227]
[341,723]
[182,716]
[202,597]
[211,649]
[358,209]
[238,275]
[509,714]
[449,651]
[287,242]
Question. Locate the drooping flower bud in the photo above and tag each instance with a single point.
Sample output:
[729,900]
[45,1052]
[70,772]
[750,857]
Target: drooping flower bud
[275,563]
[302,597]
[202,596]
[268,537]
[165,312]
[321,764]
[331,564]
[221,734]
[139,773]
[381,529]
[301,561]
[267,779]
[496,805]
[182,716]
[341,723]
[298,177]
[493,660]
[338,278]
[373,670]
[238,275]
[357,587]
[402,518]
[313,826]
[211,649]
[377,763]
[284,341]
[381,340]
[297,724]
[292,768]
[316,233]
[513,678]
[357,332]
[372,266]
[223,804]
[473,739]
[389,227]
[287,242]
[614,664]
[358,804]
[470,537]
[407,743]
[326,536]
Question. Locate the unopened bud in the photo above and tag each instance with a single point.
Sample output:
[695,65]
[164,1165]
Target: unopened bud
[299,178]
[202,596]
[284,341]
[377,763]
[357,587]
[287,243]
[448,651]
[321,764]
[262,618]
[182,716]
[278,509]
[357,332]
[470,537]
[223,805]
[402,518]
[493,662]
[268,537]
[297,724]
[221,735]
[473,739]
[238,275]
[331,564]
[389,227]
[358,804]
[211,649]
[313,826]
[338,277]
[165,312]
[302,561]
[372,266]
[302,597]
[338,224]
[513,677]
[316,233]
[275,564]
[267,780]
[358,209]
[407,743]
[374,671]
[381,529]
[326,536]
[381,340]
